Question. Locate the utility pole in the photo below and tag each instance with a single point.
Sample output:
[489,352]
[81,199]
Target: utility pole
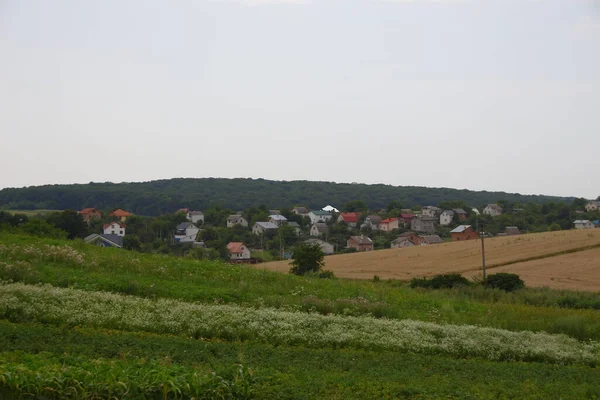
[482,234]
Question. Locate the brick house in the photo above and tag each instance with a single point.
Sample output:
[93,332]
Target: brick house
[360,243]
[349,218]
[423,224]
[89,214]
[389,224]
[463,232]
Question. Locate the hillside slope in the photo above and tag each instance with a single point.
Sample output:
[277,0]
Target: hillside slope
[164,196]
[465,257]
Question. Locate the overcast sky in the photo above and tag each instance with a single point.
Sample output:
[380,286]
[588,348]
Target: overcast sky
[481,94]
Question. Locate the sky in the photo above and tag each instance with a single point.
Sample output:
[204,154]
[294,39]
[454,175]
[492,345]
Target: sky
[476,94]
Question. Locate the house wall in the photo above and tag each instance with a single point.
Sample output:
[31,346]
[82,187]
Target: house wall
[359,247]
[389,226]
[491,211]
[240,221]
[468,234]
[114,229]
[588,225]
[404,243]
[195,218]
[244,255]
[592,206]
[318,218]
[421,225]
[189,237]
[446,219]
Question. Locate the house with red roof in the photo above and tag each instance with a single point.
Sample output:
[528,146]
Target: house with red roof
[389,224]
[406,218]
[121,214]
[349,218]
[238,251]
[89,214]
[115,228]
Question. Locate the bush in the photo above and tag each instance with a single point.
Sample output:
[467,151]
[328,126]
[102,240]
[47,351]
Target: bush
[327,274]
[307,258]
[440,282]
[505,281]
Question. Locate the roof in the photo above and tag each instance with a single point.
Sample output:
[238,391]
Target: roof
[375,219]
[407,216]
[234,217]
[330,208]
[301,210]
[235,247]
[266,225]
[512,230]
[451,212]
[400,239]
[321,212]
[432,208]
[459,211]
[361,239]
[185,225]
[316,241]
[277,217]
[425,218]
[114,222]
[293,224]
[460,229]
[432,239]
[321,227]
[495,207]
[120,213]
[112,239]
[274,212]
[182,210]
[350,217]
[582,221]
[88,210]
[388,220]
[196,213]
[407,234]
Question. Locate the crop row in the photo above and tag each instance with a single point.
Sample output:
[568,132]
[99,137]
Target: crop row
[48,304]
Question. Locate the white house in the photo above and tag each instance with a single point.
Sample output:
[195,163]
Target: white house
[236,219]
[493,210]
[326,247]
[446,217]
[238,251]
[330,209]
[186,232]
[300,211]
[319,229]
[195,217]
[319,216]
[277,219]
[373,222]
[114,228]
[260,228]
[592,206]
[583,224]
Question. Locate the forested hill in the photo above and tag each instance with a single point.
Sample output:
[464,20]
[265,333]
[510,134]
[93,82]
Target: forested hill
[165,196]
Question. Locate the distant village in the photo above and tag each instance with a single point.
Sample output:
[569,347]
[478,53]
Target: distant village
[427,226]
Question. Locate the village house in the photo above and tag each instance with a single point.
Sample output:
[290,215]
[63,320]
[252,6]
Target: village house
[238,251]
[463,232]
[360,243]
[120,214]
[326,247]
[423,224]
[186,232]
[446,217]
[406,219]
[400,242]
[389,224]
[425,240]
[493,210]
[349,218]
[330,209]
[295,226]
[373,222]
[462,214]
[431,211]
[114,228]
[89,214]
[195,217]
[319,229]
[236,219]
[592,206]
[512,231]
[260,228]
[104,240]
[319,216]
[277,219]
[583,224]
[303,211]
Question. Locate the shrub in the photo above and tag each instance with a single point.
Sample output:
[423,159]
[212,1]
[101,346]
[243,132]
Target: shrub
[505,281]
[307,258]
[447,281]
[326,274]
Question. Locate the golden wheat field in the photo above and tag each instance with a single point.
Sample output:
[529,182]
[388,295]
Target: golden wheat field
[465,257]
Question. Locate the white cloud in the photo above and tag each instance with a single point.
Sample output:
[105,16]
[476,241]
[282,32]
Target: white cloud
[253,3]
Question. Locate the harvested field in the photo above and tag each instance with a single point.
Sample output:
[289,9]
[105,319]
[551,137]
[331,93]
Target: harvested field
[576,271]
[460,257]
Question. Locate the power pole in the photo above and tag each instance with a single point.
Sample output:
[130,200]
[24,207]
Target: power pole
[482,234]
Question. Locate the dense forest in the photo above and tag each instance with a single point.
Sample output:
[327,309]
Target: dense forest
[164,196]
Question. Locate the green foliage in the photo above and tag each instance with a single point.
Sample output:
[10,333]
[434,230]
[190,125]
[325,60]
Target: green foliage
[554,227]
[307,258]
[69,221]
[447,281]
[131,242]
[166,196]
[505,281]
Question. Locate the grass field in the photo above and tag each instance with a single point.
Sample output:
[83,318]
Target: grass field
[78,321]
[465,257]
[31,213]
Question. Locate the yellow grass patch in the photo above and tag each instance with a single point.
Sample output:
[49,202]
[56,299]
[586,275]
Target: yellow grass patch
[459,257]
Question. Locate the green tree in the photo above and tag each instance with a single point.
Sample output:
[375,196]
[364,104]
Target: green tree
[307,258]
[355,206]
[69,221]
[131,242]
